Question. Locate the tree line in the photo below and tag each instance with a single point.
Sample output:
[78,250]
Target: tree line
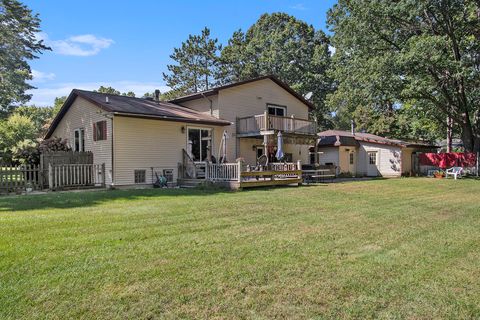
[398,68]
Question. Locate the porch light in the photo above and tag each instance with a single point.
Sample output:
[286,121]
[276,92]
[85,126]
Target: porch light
[183,129]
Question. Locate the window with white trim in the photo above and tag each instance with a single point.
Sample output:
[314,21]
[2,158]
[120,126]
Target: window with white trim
[79,140]
[140,176]
[372,158]
[276,110]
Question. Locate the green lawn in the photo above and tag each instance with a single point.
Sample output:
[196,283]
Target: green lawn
[400,248]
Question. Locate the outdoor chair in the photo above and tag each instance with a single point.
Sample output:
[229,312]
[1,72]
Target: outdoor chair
[454,171]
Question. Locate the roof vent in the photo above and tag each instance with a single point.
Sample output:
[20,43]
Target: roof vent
[352,123]
[106,99]
[157,95]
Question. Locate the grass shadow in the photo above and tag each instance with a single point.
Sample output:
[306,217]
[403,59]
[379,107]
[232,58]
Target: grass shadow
[87,198]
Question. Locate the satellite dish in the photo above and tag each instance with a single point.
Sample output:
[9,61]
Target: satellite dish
[308,95]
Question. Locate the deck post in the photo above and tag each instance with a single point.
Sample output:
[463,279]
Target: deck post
[265,124]
[50,176]
[299,167]
[239,169]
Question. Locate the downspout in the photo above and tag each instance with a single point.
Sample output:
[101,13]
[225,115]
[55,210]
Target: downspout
[112,184]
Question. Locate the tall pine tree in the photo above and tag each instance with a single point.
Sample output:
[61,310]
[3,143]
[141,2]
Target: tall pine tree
[18,43]
[196,62]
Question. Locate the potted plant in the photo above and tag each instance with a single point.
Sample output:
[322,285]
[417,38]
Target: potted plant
[439,174]
[28,187]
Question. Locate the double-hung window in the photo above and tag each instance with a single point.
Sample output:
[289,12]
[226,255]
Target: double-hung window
[100,130]
[79,140]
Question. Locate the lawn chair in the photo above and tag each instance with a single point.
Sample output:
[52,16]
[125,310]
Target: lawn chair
[454,171]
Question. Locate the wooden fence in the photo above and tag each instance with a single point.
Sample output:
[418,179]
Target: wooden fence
[62,157]
[76,175]
[16,179]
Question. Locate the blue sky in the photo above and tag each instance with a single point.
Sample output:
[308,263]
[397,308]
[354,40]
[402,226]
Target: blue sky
[126,44]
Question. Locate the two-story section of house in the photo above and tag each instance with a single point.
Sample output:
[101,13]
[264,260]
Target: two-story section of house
[139,138]
[258,109]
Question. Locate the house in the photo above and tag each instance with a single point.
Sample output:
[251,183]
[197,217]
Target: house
[364,154]
[139,138]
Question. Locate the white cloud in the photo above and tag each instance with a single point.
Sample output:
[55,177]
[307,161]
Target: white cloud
[39,76]
[45,96]
[81,45]
[299,6]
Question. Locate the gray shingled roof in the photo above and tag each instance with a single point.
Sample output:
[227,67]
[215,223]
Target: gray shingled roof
[346,138]
[136,107]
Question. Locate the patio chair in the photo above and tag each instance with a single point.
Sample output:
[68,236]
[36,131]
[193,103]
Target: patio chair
[454,171]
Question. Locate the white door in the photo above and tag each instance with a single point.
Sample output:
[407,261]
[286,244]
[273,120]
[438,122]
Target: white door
[352,163]
[372,164]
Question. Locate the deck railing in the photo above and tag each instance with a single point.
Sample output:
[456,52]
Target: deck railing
[222,171]
[264,122]
[272,174]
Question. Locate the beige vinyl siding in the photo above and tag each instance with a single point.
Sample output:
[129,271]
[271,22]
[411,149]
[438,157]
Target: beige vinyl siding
[141,144]
[252,99]
[406,160]
[82,114]
[203,105]
[247,100]
[388,159]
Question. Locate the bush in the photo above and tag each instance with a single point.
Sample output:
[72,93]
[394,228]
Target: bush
[28,151]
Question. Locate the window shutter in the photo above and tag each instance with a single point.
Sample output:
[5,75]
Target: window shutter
[94,131]
[104,130]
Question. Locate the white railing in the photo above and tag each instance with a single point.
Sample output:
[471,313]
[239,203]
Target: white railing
[76,175]
[222,171]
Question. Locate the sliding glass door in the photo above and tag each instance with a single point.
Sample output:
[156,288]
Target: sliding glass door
[198,140]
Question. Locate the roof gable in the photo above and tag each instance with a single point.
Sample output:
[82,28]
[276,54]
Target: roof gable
[215,91]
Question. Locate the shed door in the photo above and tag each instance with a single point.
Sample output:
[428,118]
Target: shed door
[372,164]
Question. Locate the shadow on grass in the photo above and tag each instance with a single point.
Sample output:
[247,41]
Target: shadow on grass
[87,198]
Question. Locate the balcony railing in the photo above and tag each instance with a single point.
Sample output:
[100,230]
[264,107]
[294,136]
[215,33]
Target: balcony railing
[266,122]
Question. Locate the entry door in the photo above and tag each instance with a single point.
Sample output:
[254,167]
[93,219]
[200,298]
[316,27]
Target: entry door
[372,163]
[197,144]
[352,163]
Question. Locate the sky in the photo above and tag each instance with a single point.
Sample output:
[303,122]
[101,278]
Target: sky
[127,44]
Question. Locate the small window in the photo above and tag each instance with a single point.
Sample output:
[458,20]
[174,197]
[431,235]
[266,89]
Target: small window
[79,140]
[351,157]
[168,174]
[276,110]
[139,176]
[372,158]
[100,130]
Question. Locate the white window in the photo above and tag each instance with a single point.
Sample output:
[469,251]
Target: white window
[276,110]
[79,140]
[372,158]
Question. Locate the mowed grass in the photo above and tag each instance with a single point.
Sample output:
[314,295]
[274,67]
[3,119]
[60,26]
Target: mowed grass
[400,248]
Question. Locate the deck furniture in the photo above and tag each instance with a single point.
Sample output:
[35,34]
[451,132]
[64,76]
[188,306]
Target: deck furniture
[454,171]
[317,175]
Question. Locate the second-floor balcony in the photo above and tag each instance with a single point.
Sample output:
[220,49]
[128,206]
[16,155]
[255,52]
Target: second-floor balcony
[266,123]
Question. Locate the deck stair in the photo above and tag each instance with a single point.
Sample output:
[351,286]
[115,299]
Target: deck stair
[190,183]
